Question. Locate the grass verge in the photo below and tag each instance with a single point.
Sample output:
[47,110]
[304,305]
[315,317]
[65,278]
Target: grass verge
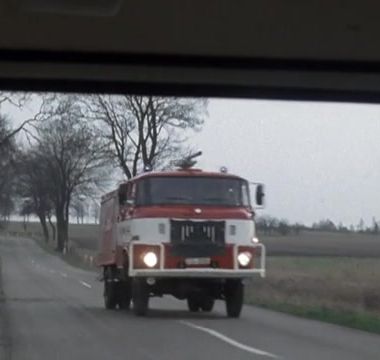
[352,319]
[338,290]
[72,258]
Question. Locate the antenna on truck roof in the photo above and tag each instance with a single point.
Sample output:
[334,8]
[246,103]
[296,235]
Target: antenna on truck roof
[188,161]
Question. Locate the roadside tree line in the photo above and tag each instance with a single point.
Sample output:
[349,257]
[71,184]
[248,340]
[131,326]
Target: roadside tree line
[270,225]
[71,149]
[360,227]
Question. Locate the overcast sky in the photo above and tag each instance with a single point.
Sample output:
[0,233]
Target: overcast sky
[317,160]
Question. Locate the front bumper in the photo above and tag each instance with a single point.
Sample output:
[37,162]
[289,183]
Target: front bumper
[191,272]
[197,273]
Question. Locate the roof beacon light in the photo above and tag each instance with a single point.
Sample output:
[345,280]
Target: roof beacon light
[148,168]
[223,170]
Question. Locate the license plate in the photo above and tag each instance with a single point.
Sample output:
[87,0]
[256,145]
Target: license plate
[197,261]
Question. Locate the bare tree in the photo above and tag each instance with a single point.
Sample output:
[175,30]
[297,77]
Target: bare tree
[325,225]
[95,211]
[144,130]
[17,100]
[7,149]
[35,187]
[73,156]
[6,206]
[375,226]
[26,210]
[78,209]
[361,225]
[283,227]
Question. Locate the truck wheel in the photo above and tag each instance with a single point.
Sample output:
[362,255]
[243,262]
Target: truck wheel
[109,295]
[207,304]
[124,295]
[140,294]
[234,295]
[193,304]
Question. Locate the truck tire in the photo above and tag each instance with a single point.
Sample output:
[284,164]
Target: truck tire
[110,295]
[234,296]
[124,295]
[193,304]
[140,294]
[207,304]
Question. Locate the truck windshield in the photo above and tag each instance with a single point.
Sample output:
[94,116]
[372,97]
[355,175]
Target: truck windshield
[218,191]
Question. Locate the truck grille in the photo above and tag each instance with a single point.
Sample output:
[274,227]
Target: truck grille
[197,232]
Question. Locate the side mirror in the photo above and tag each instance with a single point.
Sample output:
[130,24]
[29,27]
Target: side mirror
[260,194]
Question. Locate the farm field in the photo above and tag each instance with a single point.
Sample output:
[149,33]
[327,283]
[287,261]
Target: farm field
[307,243]
[335,289]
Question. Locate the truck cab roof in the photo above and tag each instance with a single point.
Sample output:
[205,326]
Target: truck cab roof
[190,172]
[186,173]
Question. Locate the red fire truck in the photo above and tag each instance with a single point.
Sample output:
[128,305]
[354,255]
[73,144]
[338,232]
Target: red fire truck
[187,233]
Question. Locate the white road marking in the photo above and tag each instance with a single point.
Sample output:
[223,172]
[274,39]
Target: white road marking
[85,284]
[63,274]
[230,341]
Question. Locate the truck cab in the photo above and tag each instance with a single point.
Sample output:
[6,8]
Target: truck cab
[186,233]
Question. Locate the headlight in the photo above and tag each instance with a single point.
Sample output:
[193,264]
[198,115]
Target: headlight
[244,258]
[150,259]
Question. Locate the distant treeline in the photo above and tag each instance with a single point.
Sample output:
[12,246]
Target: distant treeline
[269,225]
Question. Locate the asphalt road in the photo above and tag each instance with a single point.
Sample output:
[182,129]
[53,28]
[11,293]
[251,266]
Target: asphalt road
[50,310]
